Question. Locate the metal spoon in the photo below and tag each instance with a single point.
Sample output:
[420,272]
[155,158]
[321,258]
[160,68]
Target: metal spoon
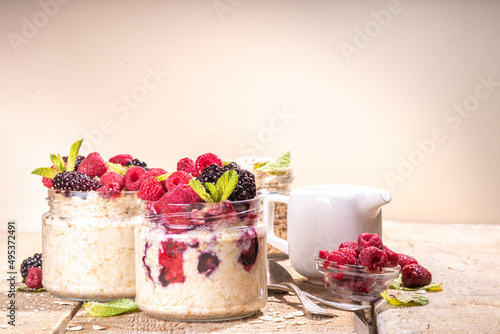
[279,278]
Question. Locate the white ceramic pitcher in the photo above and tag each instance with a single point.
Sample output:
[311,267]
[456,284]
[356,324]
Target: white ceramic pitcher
[321,217]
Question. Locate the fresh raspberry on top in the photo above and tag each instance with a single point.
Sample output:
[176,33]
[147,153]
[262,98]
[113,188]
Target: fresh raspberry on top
[206,160]
[369,240]
[177,178]
[341,257]
[372,258]
[414,275]
[113,177]
[93,165]
[404,260]
[323,254]
[392,257]
[182,194]
[133,178]
[121,159]
[110,187]
[155,171]
[187,165]
[150,189]
[34,278]
[350,244]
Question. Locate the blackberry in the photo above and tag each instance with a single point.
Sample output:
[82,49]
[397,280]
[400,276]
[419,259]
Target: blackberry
[77,162]
[137,162]
[75,181]
[245,188]
[211,174]
[33,261]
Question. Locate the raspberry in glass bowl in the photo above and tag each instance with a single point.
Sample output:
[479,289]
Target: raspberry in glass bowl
[354,282]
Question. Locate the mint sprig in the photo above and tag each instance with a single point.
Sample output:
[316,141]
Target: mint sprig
[414,300]
[47,172]
[116,307]
[219,191]
[279,165]
[58,162]
[117,168]
[397,284]
[73,155]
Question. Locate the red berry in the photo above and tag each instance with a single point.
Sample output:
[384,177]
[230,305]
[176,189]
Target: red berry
[113,177]
[150,189]
[404,260]
[177,178]
[206,160]
[369,240]
[121,159]
[323,254]
[350,244]
[187,165]
[157,172]
[414,275]
[170,257]
[341,257]
[93,165]
[34,278]
[133,178]
[361,285]
[182,194]
[110,187]
[372,258]
[392,257]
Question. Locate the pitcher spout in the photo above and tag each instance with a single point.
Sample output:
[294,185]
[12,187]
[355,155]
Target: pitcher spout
[372,202]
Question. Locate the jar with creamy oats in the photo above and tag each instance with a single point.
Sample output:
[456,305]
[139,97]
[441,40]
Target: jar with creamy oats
[88,244]
[202,261]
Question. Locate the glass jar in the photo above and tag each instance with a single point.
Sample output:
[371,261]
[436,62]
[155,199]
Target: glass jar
[278,182]
[201,261]
[88,244]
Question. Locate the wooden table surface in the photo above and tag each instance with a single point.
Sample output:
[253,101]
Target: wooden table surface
[464,257]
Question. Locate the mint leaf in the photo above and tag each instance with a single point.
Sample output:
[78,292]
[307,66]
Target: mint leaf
[58,162]
[414,300]
[227,182]
[47,172]
[73,154]
[215,191]
[280,164]
[200,190]
[25,288]
[116,307]
[397,284]
[163,177]
[117,168]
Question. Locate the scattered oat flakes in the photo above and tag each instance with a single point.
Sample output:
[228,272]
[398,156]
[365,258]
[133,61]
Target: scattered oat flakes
[257,322]
[4,326]
[280,327]
[266,318]
[63,302]
[300,322]
[289,316]
[451,267]
[328,320]
[298,313]
[271,310]
[97,328]
[75,328]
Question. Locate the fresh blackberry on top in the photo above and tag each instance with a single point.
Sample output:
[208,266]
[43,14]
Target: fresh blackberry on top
[32,261]
[137,162]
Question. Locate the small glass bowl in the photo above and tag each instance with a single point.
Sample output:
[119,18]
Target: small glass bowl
[353,282]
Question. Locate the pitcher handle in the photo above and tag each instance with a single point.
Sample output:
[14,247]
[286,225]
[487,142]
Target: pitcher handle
[268,214]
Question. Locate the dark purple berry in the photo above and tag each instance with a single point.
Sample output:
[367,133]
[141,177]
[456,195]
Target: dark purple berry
[207,263]
[250,248]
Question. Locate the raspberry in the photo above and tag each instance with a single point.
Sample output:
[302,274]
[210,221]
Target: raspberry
[414,275]
[350,244]
[32,261]
[369,240]
[113,177]
[249,249]
[110,187]
[206,160]
[133,178]
[177,178]
[93,165]
[323,254]
[372,258]
[187,165]
[34,279]
[79,159]
[404,260]
[121,159]
[341,256]
[170,257]
[157,172]
[182,194]
[75,181]
[361,285]
[207,263]
[150,189]
[392,257]
[47,182]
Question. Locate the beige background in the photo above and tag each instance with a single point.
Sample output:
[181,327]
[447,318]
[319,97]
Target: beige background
[365,92]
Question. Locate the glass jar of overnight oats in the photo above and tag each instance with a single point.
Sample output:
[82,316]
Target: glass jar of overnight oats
[88,244]
[202,261]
